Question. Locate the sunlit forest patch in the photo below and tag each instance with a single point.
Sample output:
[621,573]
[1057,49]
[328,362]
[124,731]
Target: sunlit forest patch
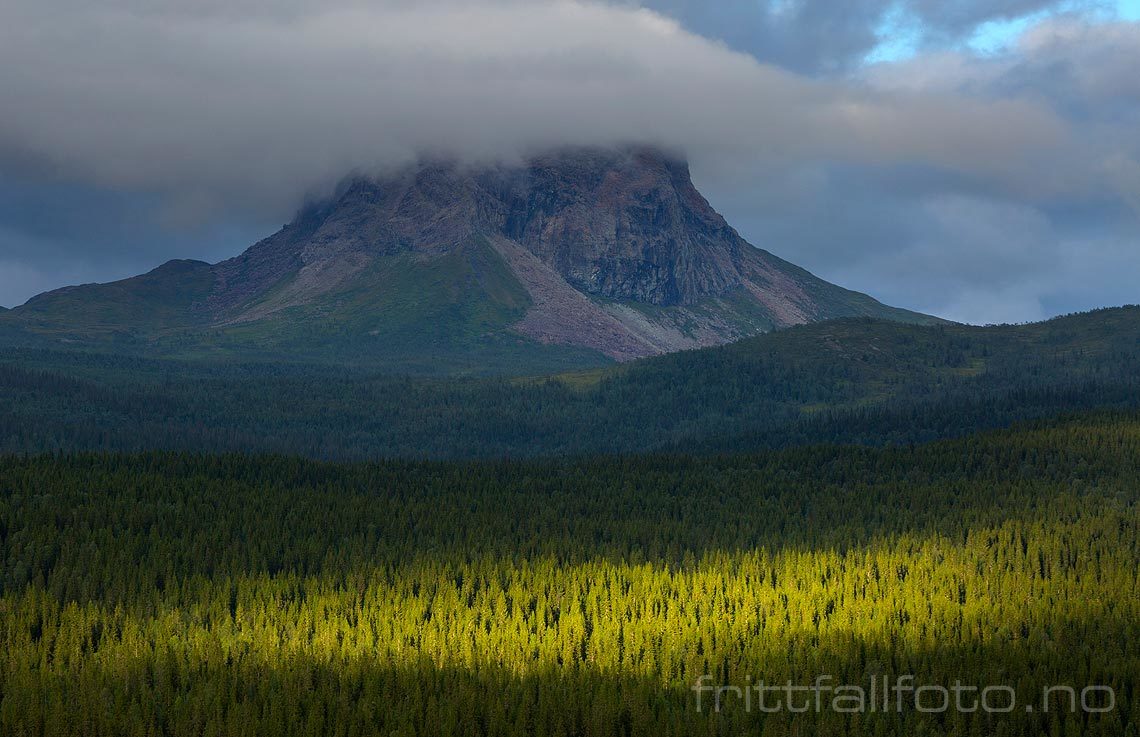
[185,594]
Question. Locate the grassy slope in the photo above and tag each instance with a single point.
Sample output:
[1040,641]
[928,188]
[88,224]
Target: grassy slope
[445,315]
[449,314]
[160,300]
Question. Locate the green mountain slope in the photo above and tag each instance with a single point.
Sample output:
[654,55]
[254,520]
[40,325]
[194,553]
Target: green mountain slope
[445,313]
[167,298]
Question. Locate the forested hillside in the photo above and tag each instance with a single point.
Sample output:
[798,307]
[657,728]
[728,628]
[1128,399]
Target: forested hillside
[179,594]
[858,381]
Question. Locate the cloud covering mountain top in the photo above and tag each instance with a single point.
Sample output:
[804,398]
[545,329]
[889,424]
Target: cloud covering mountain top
[214,112]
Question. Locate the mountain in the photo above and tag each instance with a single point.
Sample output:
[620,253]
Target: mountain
[574,258]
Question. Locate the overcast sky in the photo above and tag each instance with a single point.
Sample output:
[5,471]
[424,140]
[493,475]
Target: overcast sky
[977,159]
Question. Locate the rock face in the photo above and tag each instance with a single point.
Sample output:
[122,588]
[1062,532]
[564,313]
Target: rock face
[611,251]
[623,225]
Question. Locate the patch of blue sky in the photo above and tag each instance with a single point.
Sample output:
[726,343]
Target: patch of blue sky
[997,36]
[902,37]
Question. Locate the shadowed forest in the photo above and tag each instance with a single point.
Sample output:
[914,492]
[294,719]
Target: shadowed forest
[850,381]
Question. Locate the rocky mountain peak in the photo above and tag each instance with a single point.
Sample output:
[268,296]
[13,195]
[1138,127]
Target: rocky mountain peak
[562,258]
[615,223]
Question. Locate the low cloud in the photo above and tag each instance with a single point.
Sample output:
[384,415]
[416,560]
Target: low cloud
[213,112]
[253,108]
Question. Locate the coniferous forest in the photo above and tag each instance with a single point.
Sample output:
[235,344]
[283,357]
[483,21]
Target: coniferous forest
[183,594]
[851,381]
[898,511]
